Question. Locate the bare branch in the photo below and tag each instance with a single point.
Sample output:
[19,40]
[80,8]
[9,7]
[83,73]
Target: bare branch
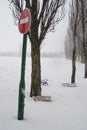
[46,14]
[16,6]
[53,13]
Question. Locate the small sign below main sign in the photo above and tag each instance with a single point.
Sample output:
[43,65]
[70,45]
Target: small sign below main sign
[24,21]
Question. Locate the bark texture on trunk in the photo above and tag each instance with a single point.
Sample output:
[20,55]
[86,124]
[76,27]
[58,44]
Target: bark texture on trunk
[35,54]
[73,66]
[73,77]
[36,72]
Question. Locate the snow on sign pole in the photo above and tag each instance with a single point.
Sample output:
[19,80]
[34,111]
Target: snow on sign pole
[24,21]
[23,25]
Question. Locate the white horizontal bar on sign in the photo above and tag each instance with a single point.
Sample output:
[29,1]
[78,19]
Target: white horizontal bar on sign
[25,20]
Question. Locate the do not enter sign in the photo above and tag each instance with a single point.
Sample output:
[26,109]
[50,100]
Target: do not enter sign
[24,21]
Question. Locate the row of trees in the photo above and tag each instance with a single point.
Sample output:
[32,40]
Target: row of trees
[76,40]
[46,14]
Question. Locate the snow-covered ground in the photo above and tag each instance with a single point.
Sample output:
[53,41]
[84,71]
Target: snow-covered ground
[68,109]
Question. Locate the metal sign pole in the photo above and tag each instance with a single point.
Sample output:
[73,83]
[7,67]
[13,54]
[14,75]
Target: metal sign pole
[22,81]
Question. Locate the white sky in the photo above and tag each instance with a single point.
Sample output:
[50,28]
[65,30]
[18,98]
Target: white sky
[11,39]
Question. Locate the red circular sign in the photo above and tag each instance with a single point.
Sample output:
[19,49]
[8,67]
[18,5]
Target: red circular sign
[24,21]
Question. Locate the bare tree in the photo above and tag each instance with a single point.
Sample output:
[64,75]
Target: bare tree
[84,32]
[74,21]
[81,31]
[46,14]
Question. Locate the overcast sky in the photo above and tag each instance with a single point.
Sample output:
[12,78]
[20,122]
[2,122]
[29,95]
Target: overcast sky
[11,39]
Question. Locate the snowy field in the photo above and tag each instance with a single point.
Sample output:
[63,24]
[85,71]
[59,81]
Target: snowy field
[68,109]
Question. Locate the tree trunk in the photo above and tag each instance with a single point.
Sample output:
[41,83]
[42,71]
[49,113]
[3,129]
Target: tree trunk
[85,62]
[82,57]
[36,71]
[73,65]
[85,56]
[83,11]
[35,54]
[85,69]
[74,58]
